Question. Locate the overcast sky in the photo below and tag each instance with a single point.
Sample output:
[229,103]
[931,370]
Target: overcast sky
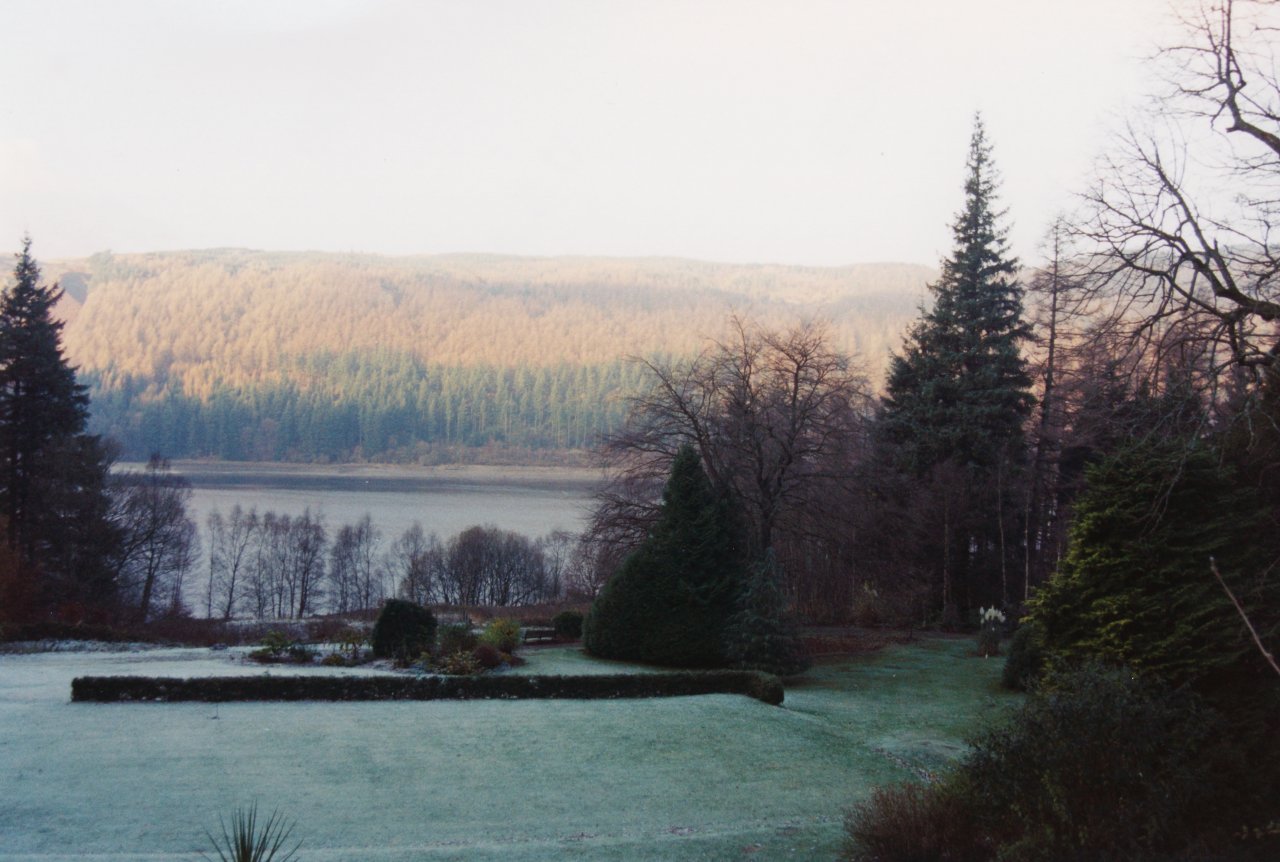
[792,131]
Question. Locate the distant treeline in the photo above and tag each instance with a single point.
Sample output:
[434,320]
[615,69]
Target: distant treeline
[372,406]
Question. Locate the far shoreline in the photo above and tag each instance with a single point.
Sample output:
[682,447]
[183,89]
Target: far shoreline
[212,474]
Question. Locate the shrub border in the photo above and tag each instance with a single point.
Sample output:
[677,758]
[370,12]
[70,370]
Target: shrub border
[114,689]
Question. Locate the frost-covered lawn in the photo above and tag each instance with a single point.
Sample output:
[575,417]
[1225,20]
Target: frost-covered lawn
[715,777]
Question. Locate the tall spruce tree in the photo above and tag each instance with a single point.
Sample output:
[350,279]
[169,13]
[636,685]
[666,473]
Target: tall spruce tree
[960,390]
[52,476]
[957,398]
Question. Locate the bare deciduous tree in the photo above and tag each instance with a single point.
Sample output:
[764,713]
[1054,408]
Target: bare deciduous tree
[1178,231]
[764,409]
[159,541]
[231,542]
[355,572]
[413,562]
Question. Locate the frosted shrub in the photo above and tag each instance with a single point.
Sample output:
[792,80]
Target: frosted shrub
[279,647]
[455,637]
[868,607]
[487,656]
[991,627]
[503,634]
[458,664]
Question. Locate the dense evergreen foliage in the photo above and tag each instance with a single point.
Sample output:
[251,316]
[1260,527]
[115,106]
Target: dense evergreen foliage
[1106,765]
[1136,587]
[1025,662]
[960,391]
[41,404]
[568,625]
[670,601]
[52,476]
[403,631]
[761,634]
[955,403]
[371,405]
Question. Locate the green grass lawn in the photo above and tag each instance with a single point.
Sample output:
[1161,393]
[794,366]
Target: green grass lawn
[715,777]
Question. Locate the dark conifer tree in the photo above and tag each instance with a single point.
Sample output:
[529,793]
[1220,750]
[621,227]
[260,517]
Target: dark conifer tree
[40,402]
[761,634]
[961,390]
[670,601]
[51,474]
[957,399]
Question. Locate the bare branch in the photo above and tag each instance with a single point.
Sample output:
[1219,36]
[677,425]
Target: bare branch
[1266,654]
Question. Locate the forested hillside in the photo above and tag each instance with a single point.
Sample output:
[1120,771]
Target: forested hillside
[307,356]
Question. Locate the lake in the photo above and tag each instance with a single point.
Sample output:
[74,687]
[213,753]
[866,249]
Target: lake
[445,500]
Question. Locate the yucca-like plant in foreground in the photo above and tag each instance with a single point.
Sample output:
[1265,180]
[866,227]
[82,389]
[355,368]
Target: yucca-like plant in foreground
[245,840]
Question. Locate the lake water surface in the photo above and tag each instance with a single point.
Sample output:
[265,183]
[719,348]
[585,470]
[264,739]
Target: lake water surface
[445,500]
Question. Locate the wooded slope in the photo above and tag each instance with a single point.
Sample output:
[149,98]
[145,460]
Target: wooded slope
[500,344]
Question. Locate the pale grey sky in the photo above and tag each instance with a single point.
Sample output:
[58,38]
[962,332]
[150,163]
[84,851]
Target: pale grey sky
[791,131]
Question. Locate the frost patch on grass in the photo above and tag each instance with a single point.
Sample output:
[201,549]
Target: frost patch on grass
[571,660]
[51,645]
[710,777]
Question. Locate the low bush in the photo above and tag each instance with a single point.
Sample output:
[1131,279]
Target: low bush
[504,634]
[1026,658]
[111,689]
[990,631]
[869,608]
[487,656]
[1098,765]
[279,647]
[916,822]
[403,631]
[349,640]
[568,625]
[455,637]
[459,663]
[1101,764]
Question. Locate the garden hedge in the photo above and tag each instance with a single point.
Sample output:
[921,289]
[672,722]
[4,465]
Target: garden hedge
[109,689]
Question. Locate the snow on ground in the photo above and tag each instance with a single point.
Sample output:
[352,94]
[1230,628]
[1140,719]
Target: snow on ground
[719,777]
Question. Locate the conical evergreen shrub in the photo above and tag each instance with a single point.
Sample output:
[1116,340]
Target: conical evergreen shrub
[670,600]
[760,635]
[404,631]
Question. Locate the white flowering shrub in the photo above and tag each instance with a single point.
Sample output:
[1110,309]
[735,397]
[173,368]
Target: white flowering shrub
[991,628]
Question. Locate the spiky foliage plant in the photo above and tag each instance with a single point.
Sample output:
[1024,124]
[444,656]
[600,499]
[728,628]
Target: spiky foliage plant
[246,839]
